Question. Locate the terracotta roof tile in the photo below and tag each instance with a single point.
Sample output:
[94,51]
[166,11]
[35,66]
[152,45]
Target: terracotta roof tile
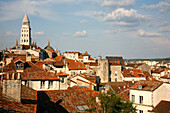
[162,107]
[74,65]
[146,85]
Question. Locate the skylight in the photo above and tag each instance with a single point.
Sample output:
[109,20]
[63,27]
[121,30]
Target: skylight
[82,107]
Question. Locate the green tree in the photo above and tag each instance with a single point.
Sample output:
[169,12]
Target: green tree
[111,103]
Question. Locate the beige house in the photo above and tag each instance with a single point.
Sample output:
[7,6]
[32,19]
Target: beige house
[145,95]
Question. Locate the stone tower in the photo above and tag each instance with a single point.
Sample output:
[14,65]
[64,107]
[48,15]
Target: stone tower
[25,38]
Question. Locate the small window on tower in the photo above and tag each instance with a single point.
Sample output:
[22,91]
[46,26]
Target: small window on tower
[22,35]
[27,40]
[22,30]
[27,35]
[24,40]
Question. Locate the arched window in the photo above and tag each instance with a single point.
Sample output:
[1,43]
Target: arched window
[27,40]
[24,40]
[27,35]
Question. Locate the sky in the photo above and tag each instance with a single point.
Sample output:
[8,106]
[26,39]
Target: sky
[127,28]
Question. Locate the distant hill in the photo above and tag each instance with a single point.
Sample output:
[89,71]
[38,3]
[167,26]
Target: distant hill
[154,59]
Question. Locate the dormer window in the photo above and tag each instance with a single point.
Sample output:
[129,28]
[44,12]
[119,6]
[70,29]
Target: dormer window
[19,66]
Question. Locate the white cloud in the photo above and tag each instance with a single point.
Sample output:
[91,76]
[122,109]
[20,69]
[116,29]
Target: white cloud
[99,13]
[83,21]
[15,9]
[9,33]
[80,34]
[142,33]
[118,3]
[39,33]
[124,17]
[165,29]
[163,6]
[127,29]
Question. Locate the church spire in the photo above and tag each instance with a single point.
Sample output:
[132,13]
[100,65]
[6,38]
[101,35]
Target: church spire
[25,20]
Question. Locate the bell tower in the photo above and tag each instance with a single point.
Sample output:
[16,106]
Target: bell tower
[25,38]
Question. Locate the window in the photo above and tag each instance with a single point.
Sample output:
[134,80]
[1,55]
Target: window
[115,79]
[78,65]
[42,84]
[141,99]
[26,83]
[133,98]
[62,80]
[140,111]
[50,84]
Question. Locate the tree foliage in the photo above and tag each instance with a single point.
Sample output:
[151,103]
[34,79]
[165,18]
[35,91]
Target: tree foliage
[111,103]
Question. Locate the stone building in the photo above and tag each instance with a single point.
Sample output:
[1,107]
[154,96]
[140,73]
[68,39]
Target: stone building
[109,69]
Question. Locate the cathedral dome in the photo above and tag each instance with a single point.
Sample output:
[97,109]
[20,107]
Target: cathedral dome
[48,46]
[25,20]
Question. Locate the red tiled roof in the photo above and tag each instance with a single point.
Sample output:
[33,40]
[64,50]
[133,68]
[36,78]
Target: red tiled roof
[62,74]
[59,58]
[133,73]
[166,76]
[93,63]
[29,66]
[146,85]
[124,95]
[157,71]
[72,97]
[25,47]
[85,54]
[162,107]
[9,105]
[74,65]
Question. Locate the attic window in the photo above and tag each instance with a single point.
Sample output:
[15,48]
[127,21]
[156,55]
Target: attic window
[78,65]
[82,65]
[82,107]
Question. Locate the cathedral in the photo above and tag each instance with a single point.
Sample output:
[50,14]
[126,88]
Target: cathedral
[28,46]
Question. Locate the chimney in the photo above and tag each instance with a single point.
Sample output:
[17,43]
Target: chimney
[12,89]
[118,61]
[99,58]
[58,53]
[56,50]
